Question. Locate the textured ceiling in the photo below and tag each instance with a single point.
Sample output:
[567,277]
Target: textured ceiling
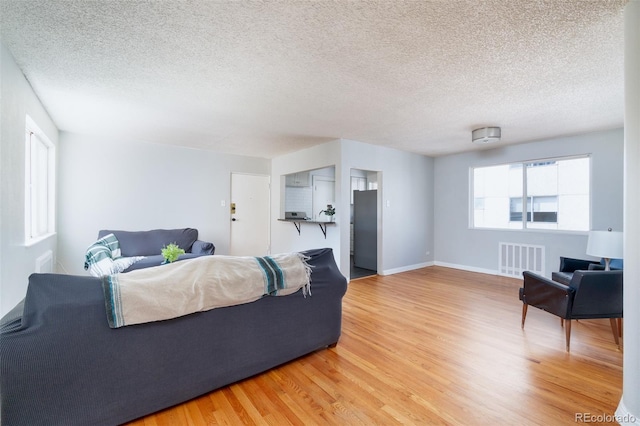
[267,78]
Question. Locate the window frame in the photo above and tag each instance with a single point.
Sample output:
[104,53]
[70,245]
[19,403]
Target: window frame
[40,185]
[526,221]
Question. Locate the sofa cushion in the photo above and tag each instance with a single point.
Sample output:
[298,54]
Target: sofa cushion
[149,243]
[203,247]
[156,260]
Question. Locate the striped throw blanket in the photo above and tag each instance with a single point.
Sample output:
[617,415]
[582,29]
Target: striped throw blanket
[200,284]
[104,257]
[100,255]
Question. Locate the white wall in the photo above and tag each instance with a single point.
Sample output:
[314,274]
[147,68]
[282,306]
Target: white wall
[477,249]
[405,194]
[629,408]
[133,185]
[17,261]
[284,236]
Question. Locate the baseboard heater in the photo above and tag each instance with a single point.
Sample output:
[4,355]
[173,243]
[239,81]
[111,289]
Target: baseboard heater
[44,263]
[514,258]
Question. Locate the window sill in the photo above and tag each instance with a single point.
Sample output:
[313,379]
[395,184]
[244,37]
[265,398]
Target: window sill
[33,241]
[533,230]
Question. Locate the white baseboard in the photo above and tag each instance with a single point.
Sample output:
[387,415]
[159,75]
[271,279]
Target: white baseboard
[467,268]
[624,417]
[443,264]
[436,263]
[405,268]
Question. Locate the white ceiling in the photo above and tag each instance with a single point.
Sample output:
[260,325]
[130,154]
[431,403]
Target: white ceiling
[267,78]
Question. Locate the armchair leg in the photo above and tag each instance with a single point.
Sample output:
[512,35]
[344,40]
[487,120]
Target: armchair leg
[620,327]
[567,331]
[614,329]
[524,313]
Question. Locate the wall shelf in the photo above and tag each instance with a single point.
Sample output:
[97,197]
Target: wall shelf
[297,222]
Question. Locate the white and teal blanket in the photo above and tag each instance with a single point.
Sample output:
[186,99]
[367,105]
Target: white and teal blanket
[104,257]
[201,284]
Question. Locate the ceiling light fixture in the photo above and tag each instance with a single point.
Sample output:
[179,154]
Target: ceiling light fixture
[485,135]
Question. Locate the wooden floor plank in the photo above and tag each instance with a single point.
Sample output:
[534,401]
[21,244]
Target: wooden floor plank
[430,346]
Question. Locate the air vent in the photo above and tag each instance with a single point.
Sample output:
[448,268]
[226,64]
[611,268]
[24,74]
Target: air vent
[514,258]
[44,263]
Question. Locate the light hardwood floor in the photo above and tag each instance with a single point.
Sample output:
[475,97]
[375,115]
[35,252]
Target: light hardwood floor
[431,346]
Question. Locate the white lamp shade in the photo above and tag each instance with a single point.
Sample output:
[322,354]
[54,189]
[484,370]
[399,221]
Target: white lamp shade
[607,244]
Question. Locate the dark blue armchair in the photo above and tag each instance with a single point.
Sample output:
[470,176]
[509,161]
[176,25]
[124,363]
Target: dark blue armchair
[569,265]
[589,295]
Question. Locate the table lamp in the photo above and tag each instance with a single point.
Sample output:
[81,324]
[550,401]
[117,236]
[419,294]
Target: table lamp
[605,244]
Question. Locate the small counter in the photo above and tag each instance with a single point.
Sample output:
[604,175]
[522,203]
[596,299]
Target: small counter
[297,222]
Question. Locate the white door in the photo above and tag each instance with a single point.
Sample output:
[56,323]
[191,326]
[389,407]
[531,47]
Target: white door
[323,194]
[250,216]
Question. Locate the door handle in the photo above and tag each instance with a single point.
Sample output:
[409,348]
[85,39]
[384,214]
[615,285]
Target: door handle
[234,219]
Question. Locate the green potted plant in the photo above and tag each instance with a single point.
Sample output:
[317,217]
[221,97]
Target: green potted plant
[329,211]
[171,252]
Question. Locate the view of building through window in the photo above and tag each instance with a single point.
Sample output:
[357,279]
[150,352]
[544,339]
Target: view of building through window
[551,194]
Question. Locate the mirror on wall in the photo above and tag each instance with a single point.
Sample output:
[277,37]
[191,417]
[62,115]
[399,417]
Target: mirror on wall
[307,193]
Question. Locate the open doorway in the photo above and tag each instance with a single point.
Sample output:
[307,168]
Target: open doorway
[364,223]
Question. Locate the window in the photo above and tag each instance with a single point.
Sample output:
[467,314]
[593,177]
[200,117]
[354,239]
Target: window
[545,209]
[549,194]
[39,183]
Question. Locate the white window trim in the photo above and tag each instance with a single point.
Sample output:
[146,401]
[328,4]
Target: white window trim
[33,130]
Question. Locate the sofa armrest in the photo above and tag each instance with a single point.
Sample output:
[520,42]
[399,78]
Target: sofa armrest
[12,319]
[562,277]
[203,247]
[546,294]
[568,264]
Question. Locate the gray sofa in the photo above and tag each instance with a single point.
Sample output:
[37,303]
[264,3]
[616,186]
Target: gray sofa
[150,244]
[61,363]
